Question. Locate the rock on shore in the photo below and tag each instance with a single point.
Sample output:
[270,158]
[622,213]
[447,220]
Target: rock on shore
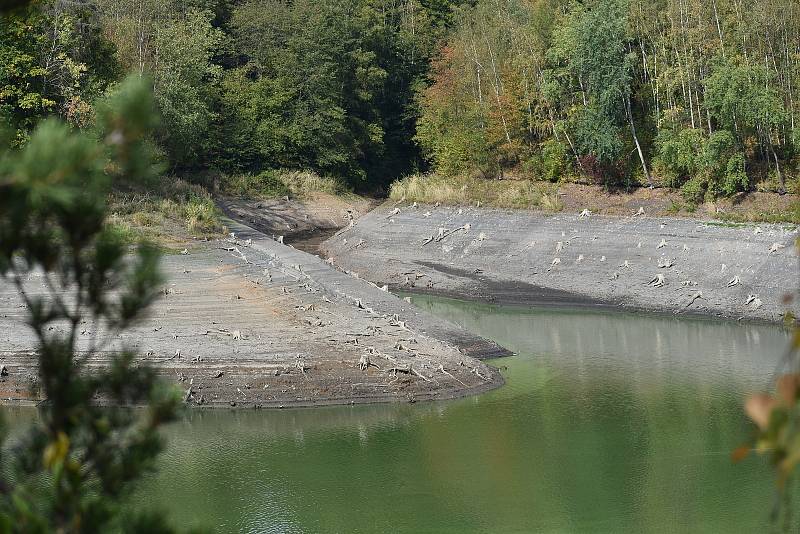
[250,322]
[681,266]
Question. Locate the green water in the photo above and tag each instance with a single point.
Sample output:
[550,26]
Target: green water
[608,423]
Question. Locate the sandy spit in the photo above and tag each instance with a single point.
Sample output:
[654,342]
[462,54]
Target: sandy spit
[251,322]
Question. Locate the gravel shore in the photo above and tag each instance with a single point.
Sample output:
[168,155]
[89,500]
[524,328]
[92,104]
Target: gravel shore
[665,265]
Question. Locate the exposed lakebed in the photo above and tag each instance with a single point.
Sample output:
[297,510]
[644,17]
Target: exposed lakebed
[608,422]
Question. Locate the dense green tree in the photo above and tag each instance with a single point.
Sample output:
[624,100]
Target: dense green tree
[254,85]
[620,86]
[184,85]
[174,43]
[308,91]
[743,98]
[22,94]
[55,61]
[362,90]
[71,471]
[329,85]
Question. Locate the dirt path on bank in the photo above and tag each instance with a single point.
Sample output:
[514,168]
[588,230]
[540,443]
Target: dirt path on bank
[250,322]
[659,264]
[303,223]
[668,202]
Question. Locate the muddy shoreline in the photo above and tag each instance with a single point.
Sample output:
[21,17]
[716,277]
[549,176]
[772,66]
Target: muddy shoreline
[253,322]
[636,263]
[249,322]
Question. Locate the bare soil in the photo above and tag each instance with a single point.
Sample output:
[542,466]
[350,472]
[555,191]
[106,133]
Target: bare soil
[250,322]
[663,202]
[304,223]
[633,262]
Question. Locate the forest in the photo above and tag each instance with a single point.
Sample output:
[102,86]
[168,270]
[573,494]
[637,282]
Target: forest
[691,94]
[148,148]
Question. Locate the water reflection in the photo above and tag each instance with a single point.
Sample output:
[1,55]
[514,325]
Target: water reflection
[643,346]
[608,423]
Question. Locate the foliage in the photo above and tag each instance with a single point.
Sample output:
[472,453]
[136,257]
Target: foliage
[175,43]
[325,86]
[369,90]
[621,84]
[735,178]
[183,73]
[54,61]
[777,417]
[279,183]
[597,60]
[678,153]
[22,97]
[694,189]
[70,471]
[165,212]
[318,93]
[263,185]
[738,93]
[551,163]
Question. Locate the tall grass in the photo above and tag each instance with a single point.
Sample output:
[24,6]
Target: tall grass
[303,183]
[279,183]
[430,189]
[768,214]
[173,210]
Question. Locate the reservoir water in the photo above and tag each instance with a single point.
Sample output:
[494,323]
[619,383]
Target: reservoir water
[607,423]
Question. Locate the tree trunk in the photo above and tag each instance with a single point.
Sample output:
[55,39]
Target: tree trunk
[575,152]
[636,139]
[781,180]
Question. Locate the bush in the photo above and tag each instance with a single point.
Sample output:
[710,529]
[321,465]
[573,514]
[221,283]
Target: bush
[725,163]
[266,184]
[201,216]
[735,178]
[279,183]
[593,169]
[694,189]
[678,154]
[719,146]
[713,166]
[665,175]
[453,149]
[154,213]
[551,163]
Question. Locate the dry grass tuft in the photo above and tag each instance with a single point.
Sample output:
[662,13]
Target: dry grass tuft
[521,194]
[278,183]
[176,211]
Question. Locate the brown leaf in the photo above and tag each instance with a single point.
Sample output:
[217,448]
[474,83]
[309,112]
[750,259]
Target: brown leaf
[787,388]
[758,408]
[740,453]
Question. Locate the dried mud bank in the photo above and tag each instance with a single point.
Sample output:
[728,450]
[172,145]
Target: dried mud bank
[249,322]
[302,223]
[635,262]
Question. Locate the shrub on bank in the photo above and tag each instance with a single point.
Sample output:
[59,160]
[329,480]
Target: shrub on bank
[279,183]
[173,208]
[262,185]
